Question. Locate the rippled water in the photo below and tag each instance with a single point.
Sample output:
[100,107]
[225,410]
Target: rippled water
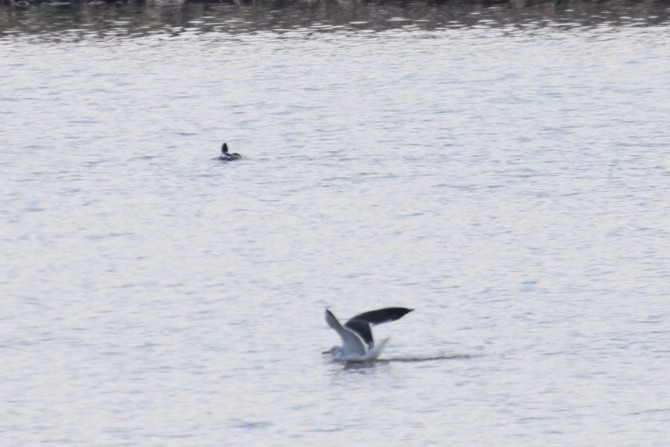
[501,169]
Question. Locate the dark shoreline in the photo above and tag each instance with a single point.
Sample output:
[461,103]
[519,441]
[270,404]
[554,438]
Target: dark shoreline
[137,18]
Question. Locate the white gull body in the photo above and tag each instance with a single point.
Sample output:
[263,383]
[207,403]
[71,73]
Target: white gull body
[357,342]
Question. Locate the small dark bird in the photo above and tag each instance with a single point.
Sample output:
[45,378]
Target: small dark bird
[227,156]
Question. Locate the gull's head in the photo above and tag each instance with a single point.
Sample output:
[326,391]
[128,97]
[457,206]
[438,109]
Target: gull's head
[335,351]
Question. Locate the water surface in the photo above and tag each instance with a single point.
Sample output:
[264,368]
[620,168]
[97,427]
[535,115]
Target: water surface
[501,169]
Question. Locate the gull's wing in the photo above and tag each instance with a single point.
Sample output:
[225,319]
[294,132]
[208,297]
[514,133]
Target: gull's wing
[380,316]
[361,323]
[351,342]
[362,328]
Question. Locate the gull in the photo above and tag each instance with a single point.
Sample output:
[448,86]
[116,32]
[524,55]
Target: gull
[356,334]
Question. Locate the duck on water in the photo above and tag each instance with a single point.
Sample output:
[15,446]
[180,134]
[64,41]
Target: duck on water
[228,156]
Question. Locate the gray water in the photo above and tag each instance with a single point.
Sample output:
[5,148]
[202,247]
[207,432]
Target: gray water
[502,170]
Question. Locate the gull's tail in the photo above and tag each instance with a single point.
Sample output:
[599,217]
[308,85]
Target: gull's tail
[377,349]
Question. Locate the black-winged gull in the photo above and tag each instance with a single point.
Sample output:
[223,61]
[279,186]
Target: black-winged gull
[356,334]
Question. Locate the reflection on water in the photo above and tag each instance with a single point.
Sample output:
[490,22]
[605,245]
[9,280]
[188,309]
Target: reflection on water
[430,358]
[65,21]
[372,365]
[410,359]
